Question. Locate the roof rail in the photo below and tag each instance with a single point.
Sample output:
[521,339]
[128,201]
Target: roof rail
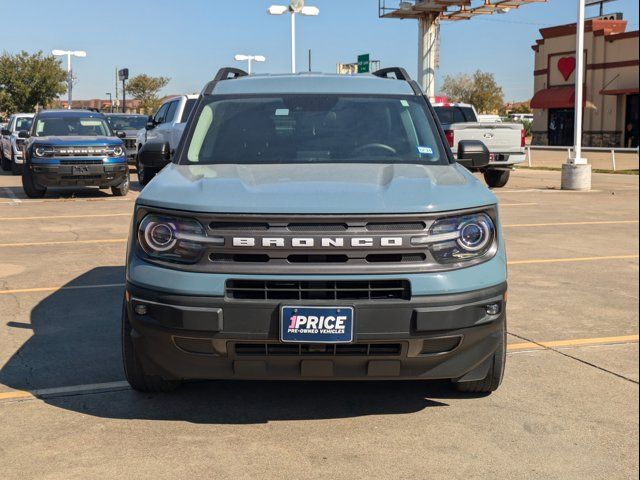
[400,74]
[225,73]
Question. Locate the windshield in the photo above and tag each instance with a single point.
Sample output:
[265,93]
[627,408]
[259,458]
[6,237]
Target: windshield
[23,123]
[127,122]
[68,125]
[314,129]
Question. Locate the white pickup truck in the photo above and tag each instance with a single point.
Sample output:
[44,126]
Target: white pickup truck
[505,141]
[166,125]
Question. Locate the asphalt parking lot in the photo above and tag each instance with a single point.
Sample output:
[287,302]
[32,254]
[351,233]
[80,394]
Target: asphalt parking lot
[568,407]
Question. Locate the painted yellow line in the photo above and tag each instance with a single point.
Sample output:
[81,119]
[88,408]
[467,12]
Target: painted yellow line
[57,217]
[560,224]
[64,242]
[573,343]
[573,260]
[54,289]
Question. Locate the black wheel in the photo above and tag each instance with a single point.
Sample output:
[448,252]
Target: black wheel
[30,187]
[497,178]
[4,161]
[122,189]
[492,381]
[16,169]
[133,370]
[145,174]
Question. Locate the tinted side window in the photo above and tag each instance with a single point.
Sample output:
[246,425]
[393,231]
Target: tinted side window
[448,115]
[171,112]
[161,114]
[187,109]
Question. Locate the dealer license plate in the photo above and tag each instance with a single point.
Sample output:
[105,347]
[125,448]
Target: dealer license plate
[316,324]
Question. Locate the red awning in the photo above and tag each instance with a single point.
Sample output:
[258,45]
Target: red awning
[557,97]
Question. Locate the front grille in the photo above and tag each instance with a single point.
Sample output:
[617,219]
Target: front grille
[330,350]
[81,162]
[80,151]
[318,290]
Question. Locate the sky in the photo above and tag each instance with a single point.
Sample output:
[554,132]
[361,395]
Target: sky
[188,40]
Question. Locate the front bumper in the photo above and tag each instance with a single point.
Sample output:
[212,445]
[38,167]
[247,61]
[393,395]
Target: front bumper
[103,175]
[428,337]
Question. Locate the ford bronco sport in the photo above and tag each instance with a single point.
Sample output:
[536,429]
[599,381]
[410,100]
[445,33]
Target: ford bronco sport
[315,227]
[73,148]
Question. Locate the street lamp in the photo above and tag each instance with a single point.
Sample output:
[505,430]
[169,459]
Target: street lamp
[296,7]
[249,59]
[69,54]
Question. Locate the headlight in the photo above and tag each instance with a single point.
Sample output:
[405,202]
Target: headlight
[43,151]
[116,151]
[463,238]
[172,238]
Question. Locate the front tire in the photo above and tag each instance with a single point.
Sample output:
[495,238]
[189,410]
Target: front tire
[5,164]
[497,178]
[122,189]
[30,187]
[133,369]
[145,174]
[494,377]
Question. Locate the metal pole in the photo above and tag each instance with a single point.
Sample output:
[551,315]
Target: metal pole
[69,81]
[124,101]
[309,59]
[249,65]
[613,159]
[529,155]
[293,42]
[427,53]
[577,157]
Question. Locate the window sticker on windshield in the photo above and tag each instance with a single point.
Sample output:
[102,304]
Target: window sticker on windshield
[282,112]
[404,103]
[425,150]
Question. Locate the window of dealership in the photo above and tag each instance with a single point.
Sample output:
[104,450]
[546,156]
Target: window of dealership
[610,85]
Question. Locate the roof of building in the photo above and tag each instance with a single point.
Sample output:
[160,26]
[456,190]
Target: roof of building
[313,83]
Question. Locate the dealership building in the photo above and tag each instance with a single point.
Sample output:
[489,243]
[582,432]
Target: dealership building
[610,85]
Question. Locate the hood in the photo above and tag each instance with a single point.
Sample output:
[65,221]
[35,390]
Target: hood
[69,141]
[316,189]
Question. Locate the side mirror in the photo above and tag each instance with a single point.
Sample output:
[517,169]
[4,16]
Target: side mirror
[473,154]
[151,124]
[23,134]
[5,131]
[121,134]
[155,154]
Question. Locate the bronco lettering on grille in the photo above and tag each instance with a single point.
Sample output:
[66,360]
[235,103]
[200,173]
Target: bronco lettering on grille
[322,242]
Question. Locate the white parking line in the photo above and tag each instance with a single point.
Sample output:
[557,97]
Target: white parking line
[12,195]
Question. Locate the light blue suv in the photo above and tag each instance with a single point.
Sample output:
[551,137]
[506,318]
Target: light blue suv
[315,227]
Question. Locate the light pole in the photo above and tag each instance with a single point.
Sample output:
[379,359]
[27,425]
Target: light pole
[576,172]
[249,59]
[110,101]
[296,7]
[69,54]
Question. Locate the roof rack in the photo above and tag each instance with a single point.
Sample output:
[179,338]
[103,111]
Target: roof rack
[225,73]
[400,74]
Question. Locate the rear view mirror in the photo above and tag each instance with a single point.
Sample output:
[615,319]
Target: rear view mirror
[23,134]
[473,154]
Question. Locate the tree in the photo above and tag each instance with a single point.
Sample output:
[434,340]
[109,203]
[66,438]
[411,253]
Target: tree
[479,89]
[523,107]
[145,88]
[27,80]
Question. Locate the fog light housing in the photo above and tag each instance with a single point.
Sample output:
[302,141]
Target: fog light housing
[493,309]
[140,309]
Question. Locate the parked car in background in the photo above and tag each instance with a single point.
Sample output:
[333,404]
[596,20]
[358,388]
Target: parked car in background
[73,148]
[165,126]
[130,124]
[490,118]
[521,117]
[505,141]
[11,156]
